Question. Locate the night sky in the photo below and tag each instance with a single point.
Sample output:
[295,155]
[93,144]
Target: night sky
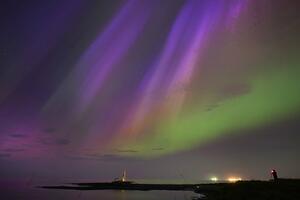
[163,88]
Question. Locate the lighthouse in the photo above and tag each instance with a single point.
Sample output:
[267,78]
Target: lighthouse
[124,176]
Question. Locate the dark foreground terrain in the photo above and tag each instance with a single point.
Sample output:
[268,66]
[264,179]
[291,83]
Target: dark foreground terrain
[283,189]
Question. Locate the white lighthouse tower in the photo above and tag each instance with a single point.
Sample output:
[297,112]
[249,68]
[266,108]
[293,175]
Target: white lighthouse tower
[124,176]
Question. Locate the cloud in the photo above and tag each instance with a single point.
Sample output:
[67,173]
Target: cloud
[127,151]
[4,155]
[77,157]
[158,149]
[101,157]
[49,130]
[14,150]
[84,157]
[18,135]
[116,158]
[228,92]
[57,141]
[62,141]
[211,107]
[235,90]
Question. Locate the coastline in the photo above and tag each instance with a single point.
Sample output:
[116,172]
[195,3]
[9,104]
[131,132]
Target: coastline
[287,189]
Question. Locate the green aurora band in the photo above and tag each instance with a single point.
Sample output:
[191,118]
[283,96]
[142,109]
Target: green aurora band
[273,96]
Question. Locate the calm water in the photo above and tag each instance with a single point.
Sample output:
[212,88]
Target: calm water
[23,191]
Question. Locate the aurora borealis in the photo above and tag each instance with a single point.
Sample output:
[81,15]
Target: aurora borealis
[114,84]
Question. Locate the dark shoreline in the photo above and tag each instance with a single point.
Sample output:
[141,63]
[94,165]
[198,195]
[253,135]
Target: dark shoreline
[283,189]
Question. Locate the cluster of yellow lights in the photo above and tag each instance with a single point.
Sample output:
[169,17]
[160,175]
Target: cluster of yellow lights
[234,179]
[214,179]
[230,179]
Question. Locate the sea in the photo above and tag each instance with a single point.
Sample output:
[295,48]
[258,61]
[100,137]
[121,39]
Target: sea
[24,191]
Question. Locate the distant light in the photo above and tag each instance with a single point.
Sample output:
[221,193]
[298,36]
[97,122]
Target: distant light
[234,179]
[214,179]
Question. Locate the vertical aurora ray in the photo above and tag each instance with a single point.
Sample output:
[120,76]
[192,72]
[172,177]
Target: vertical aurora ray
[167,75]
[109,49]
[42,36]
[105,53]
[167,88]
[85,84]
[36,33]
[192,54]
[153,87]
[162,93]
